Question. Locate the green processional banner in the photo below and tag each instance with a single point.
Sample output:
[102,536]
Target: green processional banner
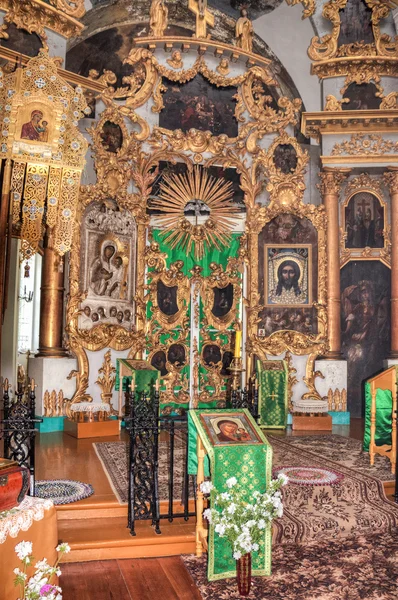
[144,375]
[383,417]
[236,447]
[272,376]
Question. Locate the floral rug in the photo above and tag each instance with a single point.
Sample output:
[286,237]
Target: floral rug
[309,475]
[355,505]
[62,491]
[342,450]
[114,460]
[355,568]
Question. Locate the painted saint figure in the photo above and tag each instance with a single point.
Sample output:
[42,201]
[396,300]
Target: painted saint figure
[288,290]
[231,432]
[33,130]
[244,32]
[101,271]
[158,18]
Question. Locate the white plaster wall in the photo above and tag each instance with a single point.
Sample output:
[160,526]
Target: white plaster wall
[9,339]
[52,374]
[335,376]
[56,44]
[289,37]
[299,363]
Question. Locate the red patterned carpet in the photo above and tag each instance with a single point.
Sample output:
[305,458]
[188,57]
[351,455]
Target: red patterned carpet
[336,540]
[355,504]
[355,568]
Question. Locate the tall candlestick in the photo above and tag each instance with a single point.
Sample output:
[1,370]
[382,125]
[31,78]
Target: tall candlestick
[238,339]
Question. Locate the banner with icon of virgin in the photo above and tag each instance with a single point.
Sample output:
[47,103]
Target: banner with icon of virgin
[235,447]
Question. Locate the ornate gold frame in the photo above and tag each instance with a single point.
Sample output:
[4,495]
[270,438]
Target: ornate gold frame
[221,279]
[326,48]
[365,183]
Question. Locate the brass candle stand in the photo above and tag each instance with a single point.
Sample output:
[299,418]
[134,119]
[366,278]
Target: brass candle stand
[236,369]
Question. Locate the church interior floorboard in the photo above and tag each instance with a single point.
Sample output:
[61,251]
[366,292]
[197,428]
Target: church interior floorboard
[130,579]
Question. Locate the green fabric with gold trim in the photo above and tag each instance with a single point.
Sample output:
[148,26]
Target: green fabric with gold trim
[272,393]
[145,376]
[251,464]
[383,417]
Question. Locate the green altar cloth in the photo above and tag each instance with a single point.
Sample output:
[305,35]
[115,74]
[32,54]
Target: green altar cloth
[144,374]
[383,417]
[251,464]
[272,377]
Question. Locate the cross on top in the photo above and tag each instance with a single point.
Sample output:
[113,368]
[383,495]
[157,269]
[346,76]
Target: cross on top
[203,16]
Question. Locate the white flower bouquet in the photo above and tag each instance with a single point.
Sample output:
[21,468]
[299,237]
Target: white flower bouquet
[242,520]
[38,586]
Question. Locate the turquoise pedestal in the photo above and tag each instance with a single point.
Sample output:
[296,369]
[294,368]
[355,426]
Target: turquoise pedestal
[50,424]
[338,418]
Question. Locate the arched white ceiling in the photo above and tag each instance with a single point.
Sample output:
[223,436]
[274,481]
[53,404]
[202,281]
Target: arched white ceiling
[288,36]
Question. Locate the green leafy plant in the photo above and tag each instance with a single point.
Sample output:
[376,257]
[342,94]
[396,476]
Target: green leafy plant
[240,520]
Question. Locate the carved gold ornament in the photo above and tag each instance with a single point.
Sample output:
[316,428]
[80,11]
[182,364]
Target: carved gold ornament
[35,16]
[332,104]
[363,144]
[327,47]
[309,6]
[40,134]
[208,199]
[106,380]
[285,188]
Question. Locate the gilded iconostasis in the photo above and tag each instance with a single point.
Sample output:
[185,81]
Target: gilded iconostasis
[211,203]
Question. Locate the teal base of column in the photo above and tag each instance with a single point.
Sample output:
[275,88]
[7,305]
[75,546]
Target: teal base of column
[338,418]
[50,424]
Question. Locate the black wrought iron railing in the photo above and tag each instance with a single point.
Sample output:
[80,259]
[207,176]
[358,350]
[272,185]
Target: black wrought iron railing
[159,484]
[17,429]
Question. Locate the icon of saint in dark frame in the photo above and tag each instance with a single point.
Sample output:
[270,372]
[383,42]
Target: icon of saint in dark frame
[211,355]
[111,137]
[223,300]
[226,363]
[285,158]
[158,361]
[176,355]
[167,298]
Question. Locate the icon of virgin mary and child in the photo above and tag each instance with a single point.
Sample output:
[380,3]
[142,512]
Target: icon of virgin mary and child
[36,129]
[107,272]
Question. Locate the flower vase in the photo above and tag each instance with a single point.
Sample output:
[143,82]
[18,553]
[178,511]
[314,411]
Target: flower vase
[244,574]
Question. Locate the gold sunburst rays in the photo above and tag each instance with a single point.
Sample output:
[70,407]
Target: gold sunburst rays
[209,198]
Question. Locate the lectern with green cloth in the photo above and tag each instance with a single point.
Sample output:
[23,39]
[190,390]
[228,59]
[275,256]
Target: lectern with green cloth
[380,406]
[232,445]
[141,372]
[272,377]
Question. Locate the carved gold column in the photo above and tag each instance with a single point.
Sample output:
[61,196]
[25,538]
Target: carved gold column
[51,302]
[331,180]
[391,180]
[4,214]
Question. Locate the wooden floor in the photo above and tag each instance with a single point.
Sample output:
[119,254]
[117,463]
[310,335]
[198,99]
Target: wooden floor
[106,537]
[141,579]
[60,456]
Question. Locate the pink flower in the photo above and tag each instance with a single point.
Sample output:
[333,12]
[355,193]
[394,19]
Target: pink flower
[47,589]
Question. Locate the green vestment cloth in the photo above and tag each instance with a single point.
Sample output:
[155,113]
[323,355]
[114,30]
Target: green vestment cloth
[251,465]
[272,394]
[383,417]
[145,376]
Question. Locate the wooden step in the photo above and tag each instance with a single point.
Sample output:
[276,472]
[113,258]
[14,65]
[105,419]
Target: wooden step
[99,508]
[104,539]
